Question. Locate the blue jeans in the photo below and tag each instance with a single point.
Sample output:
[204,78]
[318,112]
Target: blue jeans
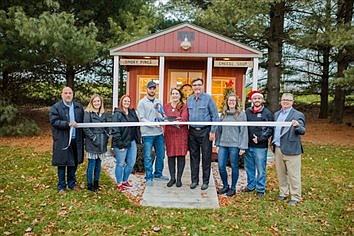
[71,177]
[93,168]
[159,145]
[224,154]
[125,161]
[256,166]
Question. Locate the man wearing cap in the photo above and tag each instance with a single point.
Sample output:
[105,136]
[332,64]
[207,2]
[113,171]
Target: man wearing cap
[201,107]
[150,110]
[288,149]
[256,154]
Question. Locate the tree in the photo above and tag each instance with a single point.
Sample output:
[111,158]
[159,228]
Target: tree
[345,55]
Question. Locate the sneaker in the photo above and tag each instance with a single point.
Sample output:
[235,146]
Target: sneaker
[231,192]
[281,198]
[223,190]
[126,184]
[260,194]
[246,190]
[162,177]
[61,192]
[120,187]
[293,202]
[149,183]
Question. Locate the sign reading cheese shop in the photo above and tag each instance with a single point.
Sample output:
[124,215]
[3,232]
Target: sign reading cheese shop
[139,62]
[233,63]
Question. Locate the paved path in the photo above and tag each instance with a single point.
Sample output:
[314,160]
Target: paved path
[159,195]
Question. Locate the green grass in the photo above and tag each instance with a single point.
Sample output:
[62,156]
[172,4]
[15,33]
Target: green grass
[28,199]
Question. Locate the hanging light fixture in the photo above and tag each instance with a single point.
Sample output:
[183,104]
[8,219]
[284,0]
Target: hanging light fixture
[185,44]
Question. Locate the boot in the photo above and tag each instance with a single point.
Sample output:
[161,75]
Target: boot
[172,169]
[90,187]
[181,161]
[95,185]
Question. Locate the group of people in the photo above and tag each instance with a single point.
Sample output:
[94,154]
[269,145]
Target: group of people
[176,140]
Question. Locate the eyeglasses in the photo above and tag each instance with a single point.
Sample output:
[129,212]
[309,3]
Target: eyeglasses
[195,85]
[286,100]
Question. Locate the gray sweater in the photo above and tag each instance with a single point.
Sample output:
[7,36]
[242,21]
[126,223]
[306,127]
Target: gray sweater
[147,113]
[232,136]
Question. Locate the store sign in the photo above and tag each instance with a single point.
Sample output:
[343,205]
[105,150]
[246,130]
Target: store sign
[233,63]
[139,62]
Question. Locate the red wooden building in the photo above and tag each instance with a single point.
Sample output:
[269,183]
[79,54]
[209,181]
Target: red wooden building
[177,55]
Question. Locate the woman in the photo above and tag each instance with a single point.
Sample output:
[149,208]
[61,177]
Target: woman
[232,142]
[176,136]
[124,141]
[96,140]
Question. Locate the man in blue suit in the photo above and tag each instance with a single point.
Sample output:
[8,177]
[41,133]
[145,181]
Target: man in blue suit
[287,148]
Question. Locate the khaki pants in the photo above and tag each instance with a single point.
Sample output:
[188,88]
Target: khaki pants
[289,174]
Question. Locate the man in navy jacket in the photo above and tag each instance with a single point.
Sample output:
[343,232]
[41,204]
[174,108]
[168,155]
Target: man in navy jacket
[288,149]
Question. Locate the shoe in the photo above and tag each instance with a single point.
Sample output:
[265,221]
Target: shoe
[223,190]
[179,183]
[246,190]
[61,192]
[120,187]
[75,188]
[171,182]
[293,202]
[281,198]
[162,178]
[90,187]
[126,184]
[231,192]
[204,186]
[260,194]
[149,183]
[194,185]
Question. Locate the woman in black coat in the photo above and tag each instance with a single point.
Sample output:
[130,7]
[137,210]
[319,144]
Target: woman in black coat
[96,140]
[124,140]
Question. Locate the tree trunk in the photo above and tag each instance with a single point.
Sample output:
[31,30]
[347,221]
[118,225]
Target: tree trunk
[275,41]
[5,84]
[70,75]
[344,16]
[324,85]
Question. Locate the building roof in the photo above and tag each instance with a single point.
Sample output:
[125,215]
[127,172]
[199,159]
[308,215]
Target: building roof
[204,43]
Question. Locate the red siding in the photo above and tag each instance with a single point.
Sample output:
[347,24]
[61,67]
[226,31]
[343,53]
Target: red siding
[202,43]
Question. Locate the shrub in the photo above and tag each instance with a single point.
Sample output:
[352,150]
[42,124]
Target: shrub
[13,124]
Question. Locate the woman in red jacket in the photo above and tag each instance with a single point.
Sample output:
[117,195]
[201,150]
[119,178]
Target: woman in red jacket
[176,136]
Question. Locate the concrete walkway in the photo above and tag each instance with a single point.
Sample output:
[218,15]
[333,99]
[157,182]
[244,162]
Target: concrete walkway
[159,195]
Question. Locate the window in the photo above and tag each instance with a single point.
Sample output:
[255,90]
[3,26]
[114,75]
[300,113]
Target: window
[142,82]
[218,87]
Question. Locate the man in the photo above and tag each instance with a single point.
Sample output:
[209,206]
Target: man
[258,136]
[288,149]
[150,110]
[201,107]
[68,142]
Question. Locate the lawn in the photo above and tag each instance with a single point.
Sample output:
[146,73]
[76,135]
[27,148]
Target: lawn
[30,204]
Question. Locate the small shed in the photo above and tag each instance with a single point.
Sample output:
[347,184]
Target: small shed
[177,55]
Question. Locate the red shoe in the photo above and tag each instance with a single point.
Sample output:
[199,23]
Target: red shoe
[120,187]
[127,184]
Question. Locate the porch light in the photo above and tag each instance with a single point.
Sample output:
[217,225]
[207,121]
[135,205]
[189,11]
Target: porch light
[185,44]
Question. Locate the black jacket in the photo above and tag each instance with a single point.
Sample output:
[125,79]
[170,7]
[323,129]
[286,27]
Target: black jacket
[122,136]
[262,132]
[59,120]
[96,139]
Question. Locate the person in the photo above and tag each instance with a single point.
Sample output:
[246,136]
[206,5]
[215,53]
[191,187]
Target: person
[176,136]
[124,142]
[68,151]
[287,149]
[201,107]
[96,139]
[232,142]
[258,136]
[151,110]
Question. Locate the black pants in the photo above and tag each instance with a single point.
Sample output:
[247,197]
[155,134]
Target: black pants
[199,141]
